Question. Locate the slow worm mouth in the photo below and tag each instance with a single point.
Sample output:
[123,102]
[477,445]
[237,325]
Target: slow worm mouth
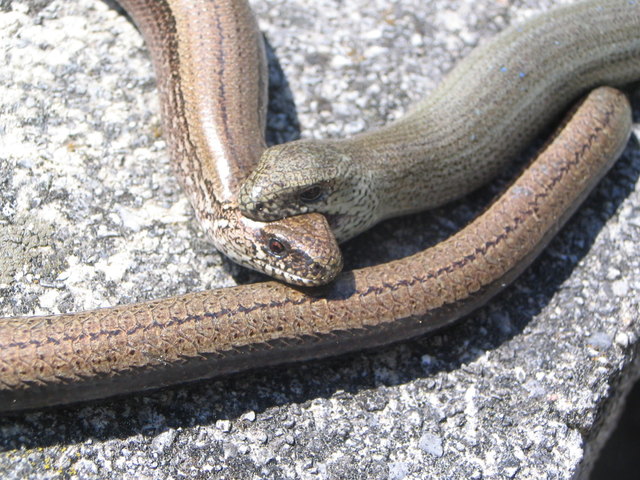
[333,220]
[295,281]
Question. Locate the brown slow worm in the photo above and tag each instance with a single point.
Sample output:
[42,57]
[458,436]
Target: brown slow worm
[211,73]
[52,360]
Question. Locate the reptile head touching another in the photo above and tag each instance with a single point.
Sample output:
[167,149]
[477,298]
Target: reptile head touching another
[309,176]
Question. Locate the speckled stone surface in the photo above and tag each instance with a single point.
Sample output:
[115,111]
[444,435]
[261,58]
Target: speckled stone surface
[91,216]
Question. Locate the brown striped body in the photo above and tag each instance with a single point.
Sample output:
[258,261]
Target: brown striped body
[60,359]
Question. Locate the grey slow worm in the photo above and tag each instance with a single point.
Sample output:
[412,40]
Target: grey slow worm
[489,107]
[211,73]
[53,360]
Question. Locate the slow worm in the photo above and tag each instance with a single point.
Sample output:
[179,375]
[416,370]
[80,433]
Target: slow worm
[211,74]
[489,107]
[52,360]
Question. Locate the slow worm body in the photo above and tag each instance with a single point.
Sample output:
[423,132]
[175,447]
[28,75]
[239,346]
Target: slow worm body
[211,74]
[489,107]
[53,360]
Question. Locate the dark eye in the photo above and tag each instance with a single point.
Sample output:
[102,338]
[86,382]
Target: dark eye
[311,194]
[277,248]
[259,206]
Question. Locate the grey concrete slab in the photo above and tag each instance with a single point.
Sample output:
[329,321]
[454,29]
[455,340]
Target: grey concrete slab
[91,216]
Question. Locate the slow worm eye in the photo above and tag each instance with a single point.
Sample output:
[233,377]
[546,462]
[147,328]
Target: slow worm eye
[316,269]
[311,194]
[277,248]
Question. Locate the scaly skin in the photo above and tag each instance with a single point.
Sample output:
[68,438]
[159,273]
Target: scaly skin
[53,360]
